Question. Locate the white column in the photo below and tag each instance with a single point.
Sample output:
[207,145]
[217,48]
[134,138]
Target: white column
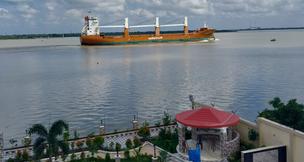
[157,22]
[117,158]
[186,21]
[181,137]
[126,22]
[154,159]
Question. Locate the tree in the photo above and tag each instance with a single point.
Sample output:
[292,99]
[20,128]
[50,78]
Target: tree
[136,142]
[48,139]
[75,134]
[144,131]
[91,146]
[166,118]
[117,147]
[18,156]
[25,156]
[129,144]
[98,141]
[290,114]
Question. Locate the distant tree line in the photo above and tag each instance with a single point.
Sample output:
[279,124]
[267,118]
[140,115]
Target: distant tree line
[31,36]
[290,114]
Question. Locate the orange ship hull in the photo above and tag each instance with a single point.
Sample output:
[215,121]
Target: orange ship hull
[202,34]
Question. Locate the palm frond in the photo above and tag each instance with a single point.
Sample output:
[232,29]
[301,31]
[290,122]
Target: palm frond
[58,127]
[64,146]
[53,147]
[39,147]
[38,129]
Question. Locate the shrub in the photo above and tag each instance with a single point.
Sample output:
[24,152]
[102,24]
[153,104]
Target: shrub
[129,144]
[111,146]
[10,160]
[107,157]
[91,146]
[127,154]
[252,135]
[19,155]
[163,156]
[82,155]
[166,140]
[73,156]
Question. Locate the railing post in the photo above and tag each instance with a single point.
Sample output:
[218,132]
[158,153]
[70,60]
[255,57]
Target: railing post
[135,123]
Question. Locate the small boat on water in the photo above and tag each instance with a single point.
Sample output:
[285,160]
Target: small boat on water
[91,35]
[273,40]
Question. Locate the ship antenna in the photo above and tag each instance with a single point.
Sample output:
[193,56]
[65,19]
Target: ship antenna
[205,25]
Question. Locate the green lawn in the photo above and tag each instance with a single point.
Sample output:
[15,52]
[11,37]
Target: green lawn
[166,140]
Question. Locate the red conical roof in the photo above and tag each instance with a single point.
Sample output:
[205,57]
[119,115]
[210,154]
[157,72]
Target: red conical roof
[207,117]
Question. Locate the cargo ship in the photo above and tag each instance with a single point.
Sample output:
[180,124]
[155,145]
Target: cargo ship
[91,35]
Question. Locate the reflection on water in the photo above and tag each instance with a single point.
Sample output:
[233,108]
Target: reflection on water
[84,85]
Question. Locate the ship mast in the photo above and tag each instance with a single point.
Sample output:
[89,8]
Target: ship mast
[126,29]
[157,29]
[186,29]
[92,24]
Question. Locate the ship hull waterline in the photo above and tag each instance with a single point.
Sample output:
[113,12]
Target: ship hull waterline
[205,35]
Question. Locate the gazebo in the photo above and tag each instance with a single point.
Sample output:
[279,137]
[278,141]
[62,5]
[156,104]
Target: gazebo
[211,128]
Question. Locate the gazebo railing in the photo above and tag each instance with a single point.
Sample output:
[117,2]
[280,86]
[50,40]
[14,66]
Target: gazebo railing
[232,145]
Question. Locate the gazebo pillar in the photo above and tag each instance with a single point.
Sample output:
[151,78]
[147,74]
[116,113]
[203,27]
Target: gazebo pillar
[181,137]
[223,139]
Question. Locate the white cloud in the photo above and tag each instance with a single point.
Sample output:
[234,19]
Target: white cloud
[51,5]
[221,12]
[26,10]
[3,12]
[244,8]
[142,12]
[74,13]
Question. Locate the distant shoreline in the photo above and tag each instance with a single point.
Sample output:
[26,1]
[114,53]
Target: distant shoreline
[64,35]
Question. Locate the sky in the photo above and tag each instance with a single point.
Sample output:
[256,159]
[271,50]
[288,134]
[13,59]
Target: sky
[65,16]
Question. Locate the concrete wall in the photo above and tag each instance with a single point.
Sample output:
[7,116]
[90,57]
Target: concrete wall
[298,146]
[273,134]
[243,128]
